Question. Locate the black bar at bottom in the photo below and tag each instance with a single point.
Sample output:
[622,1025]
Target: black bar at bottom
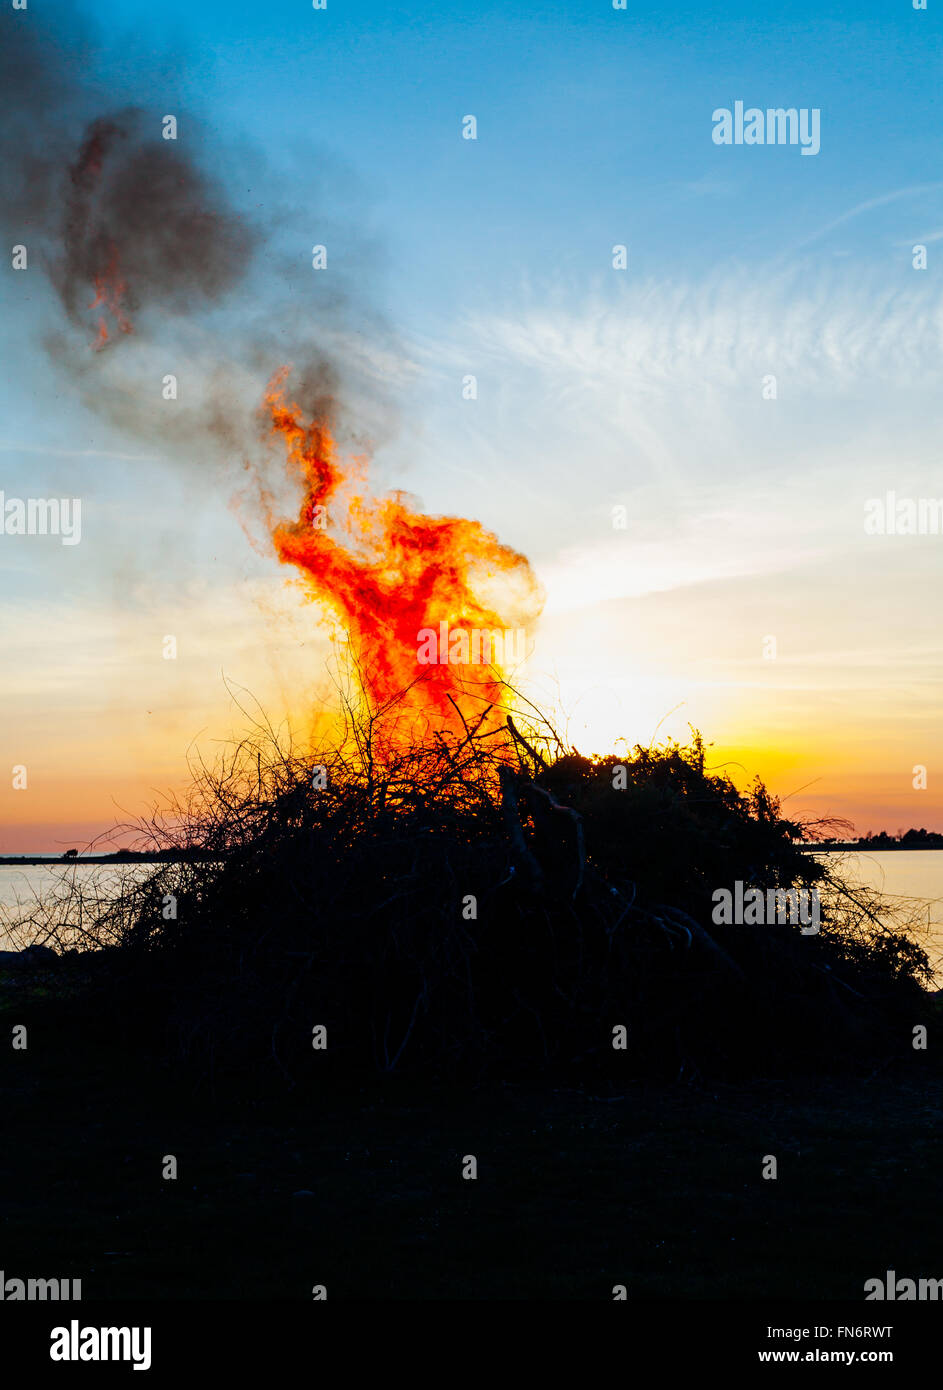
[235,1340]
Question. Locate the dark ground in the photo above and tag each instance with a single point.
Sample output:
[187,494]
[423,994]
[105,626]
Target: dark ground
[658,1188]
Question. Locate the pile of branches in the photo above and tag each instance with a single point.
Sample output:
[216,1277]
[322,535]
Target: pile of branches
[485,902]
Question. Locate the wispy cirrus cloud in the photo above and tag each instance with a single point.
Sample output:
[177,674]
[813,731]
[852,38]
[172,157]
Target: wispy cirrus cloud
[918,190]
[825,329]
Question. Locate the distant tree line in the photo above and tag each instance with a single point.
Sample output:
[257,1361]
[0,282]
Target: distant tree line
[904,839]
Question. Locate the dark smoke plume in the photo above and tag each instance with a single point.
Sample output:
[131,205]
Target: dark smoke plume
[138,214]
[158,270]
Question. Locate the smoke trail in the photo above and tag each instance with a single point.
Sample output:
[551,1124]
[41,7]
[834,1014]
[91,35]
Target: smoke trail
[152,261]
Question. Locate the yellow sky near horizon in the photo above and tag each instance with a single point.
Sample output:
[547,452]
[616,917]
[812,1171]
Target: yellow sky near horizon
[105,723]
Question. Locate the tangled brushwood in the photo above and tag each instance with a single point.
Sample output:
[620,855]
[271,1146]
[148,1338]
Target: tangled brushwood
[483,903]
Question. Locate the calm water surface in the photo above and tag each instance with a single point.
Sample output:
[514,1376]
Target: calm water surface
[904,876]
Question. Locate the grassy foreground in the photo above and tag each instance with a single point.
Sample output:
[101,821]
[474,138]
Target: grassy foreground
[657,1187]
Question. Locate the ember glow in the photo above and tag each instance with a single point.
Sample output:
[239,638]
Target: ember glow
[101,258]
[389,573]
[110,290]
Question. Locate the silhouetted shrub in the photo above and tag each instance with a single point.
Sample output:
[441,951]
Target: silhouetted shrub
[337,890]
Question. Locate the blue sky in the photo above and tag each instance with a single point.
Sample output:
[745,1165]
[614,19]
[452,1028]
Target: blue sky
[592,122]
[597,387]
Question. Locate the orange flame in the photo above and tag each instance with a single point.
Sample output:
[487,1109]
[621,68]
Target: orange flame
[110,290]
[405,586]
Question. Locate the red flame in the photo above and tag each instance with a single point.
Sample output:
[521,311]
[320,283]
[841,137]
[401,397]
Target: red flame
[105,272]
[390,574]
[110,290]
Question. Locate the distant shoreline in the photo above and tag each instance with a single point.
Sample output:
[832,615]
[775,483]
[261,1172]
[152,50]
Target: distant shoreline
[122,857]
[855,846]
[204,856]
